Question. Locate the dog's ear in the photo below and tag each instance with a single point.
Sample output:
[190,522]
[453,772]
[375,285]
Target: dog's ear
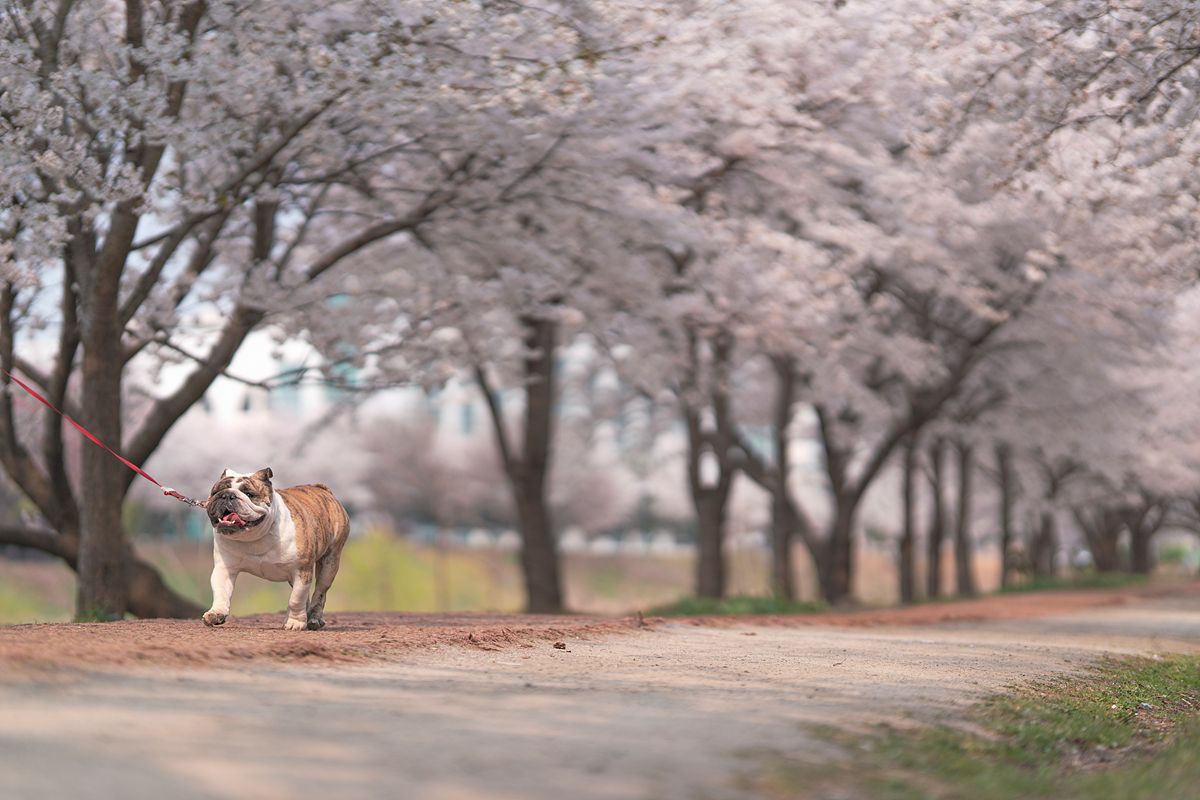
[264,474]
[226,473]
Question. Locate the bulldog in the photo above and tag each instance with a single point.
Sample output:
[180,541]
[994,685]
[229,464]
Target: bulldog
[294,535]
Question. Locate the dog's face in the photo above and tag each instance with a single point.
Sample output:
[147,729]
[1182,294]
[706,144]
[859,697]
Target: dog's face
[238,504]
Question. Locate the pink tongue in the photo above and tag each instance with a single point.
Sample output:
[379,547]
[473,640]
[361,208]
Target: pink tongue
[232,519]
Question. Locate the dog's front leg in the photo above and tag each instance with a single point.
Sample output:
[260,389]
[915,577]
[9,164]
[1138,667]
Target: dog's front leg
[298,603]
[222,590]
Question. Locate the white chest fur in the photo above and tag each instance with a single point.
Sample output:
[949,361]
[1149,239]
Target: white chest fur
[273,556]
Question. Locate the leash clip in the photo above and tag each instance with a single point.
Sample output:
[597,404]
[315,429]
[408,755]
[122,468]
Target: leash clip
[172,493]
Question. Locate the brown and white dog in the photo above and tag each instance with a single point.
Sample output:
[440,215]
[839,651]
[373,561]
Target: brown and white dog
[288,535]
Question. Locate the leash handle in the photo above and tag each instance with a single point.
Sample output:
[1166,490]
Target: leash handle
[84,431]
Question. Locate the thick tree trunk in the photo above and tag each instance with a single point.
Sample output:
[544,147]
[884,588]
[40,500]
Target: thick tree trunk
[101,569]
[1102,529]
[841,552]
[963,546]
[1045,546]
[908,537]
[937,524]
[539,554]
[1144,521]
[1140,560]
[783,526]
[527,470]
[710,503]
[710,536]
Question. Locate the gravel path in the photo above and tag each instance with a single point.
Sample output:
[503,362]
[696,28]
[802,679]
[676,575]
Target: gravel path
[620,711]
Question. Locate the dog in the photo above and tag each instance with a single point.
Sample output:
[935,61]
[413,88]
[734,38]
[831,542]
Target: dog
[294,535]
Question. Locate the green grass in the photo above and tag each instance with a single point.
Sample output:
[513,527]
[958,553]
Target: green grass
[20,603]
[1127,729]
[383,573]
[1082,580]
[741,604]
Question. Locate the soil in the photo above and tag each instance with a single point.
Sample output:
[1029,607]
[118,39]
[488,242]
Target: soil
[516,706]
[359,637]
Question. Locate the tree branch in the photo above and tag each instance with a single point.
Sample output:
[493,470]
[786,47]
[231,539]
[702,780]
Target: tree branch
[39,539]
[512,465]
[433,201]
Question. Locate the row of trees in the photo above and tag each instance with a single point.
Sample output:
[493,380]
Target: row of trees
[934,227]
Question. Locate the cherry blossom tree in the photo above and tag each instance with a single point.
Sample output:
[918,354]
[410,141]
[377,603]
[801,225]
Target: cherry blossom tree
[542,251]
[164,157]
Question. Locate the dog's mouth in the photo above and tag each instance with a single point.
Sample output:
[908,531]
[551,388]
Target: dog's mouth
[235,521]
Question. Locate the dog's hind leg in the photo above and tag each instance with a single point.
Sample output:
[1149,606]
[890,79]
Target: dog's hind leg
[327,567]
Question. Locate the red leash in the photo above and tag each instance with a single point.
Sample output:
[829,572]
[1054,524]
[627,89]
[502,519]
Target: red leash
[81,429]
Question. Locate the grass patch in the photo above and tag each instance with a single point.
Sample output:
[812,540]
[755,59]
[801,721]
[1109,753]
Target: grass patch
[1127,729]
[1081,580]
[36,591]
[18,604]
[741,604]
[380,572]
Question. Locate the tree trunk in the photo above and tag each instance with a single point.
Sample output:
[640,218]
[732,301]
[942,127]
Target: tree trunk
[937,524]
[783,519]
[539,556]
[1102,530]
[1144,521]
[1007,480]
[710,536]
[528,469]
[963,546]
[1045,545]
[101,568]
[908,578]
[848,494]
[788,518]
[710,498]
[1140,561]
[841,552]
[783,526]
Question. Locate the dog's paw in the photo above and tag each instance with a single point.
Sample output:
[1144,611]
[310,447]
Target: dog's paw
[294,624]
[212,618]
[316,623]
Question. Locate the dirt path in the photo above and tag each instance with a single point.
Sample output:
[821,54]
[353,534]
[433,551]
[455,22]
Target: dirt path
[438,708]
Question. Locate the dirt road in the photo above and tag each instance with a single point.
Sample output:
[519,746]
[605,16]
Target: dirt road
[620,711]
